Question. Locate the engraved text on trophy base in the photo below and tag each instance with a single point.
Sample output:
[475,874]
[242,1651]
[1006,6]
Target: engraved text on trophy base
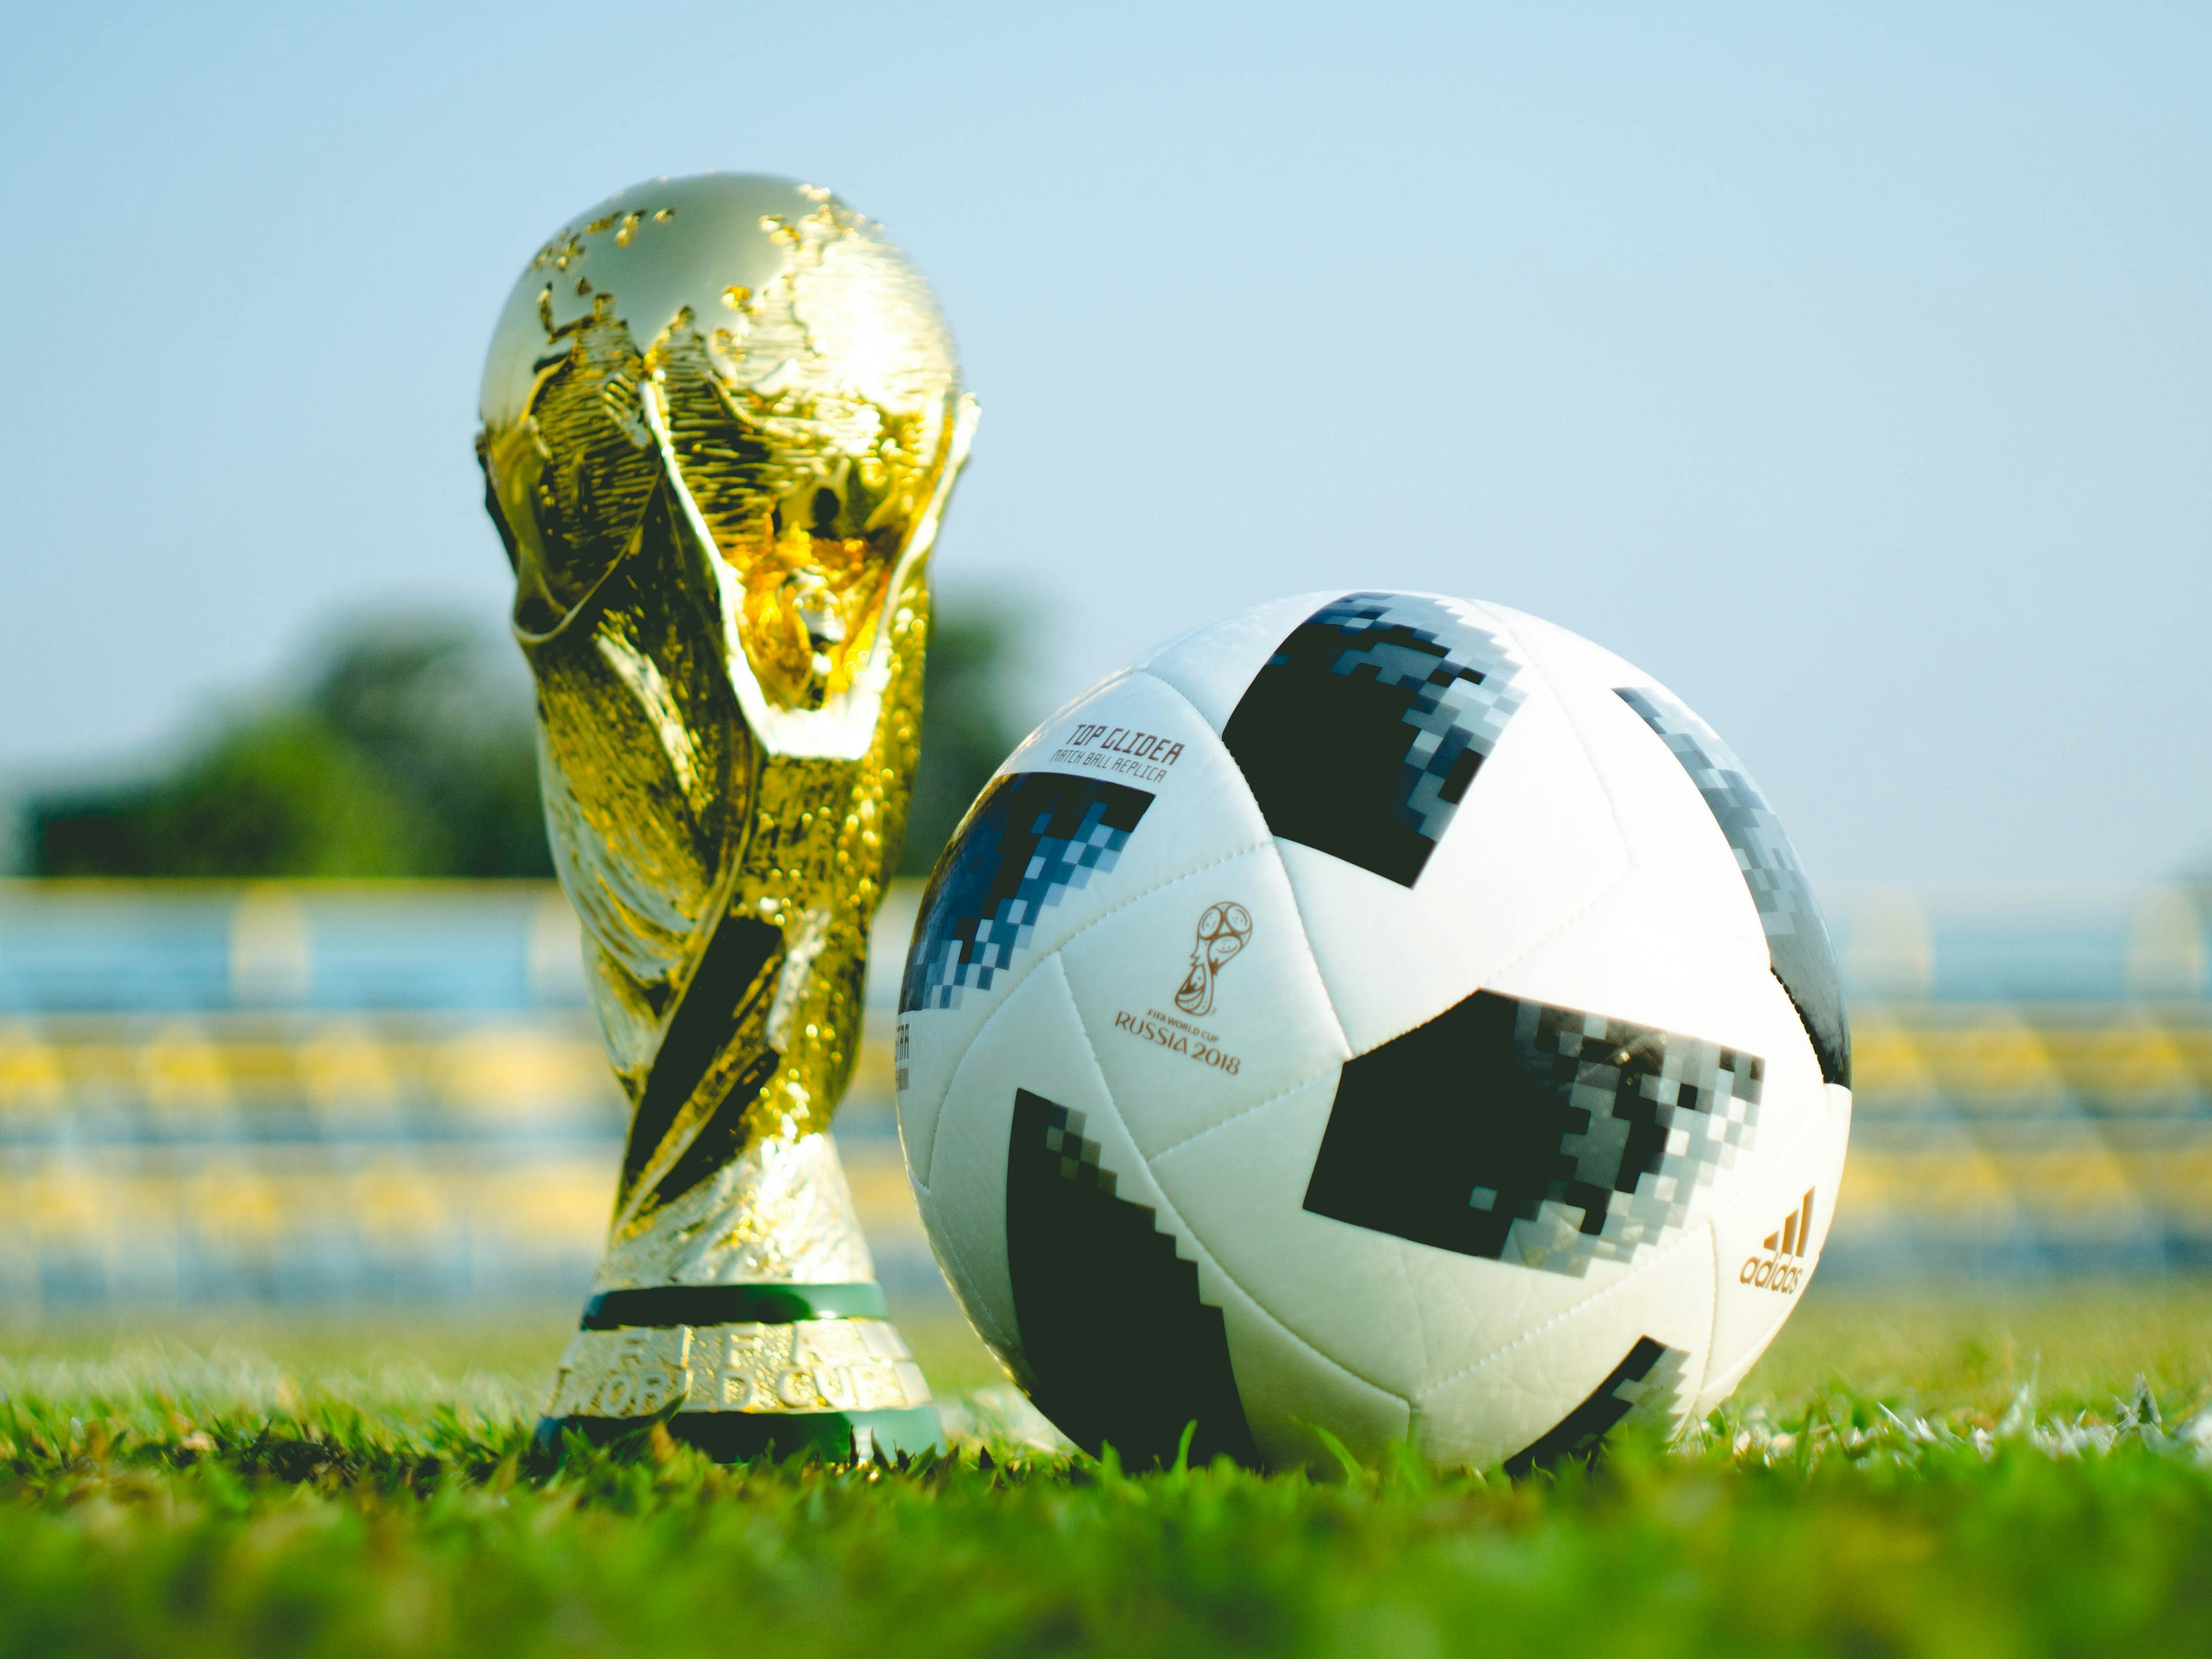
[822,1364]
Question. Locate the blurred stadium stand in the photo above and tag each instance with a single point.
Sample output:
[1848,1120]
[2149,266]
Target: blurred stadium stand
[308,1093]
[2034,1083]
[344,1093]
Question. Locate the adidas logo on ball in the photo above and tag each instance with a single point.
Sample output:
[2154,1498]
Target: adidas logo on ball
[1783,1268]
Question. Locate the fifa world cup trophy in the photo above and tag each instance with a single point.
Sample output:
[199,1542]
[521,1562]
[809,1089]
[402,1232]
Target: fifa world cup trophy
[721,419]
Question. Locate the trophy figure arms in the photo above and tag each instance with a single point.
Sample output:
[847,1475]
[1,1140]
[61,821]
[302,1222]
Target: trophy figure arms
[722,416]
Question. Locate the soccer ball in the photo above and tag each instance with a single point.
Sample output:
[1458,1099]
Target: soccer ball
[1381,1014]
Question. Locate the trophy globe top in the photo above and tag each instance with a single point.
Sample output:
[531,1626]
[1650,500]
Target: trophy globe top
[747,367]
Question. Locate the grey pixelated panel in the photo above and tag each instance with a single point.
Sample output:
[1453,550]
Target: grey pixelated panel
[1645,1385]
[1029,839]
[1797,941]
[1360,736]
[1541,1136]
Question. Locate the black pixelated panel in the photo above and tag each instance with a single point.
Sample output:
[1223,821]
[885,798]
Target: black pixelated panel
[1649,1370]
[1797,936]
[1029,838]
[1361,734]
[1119,1346]
[1546,1137]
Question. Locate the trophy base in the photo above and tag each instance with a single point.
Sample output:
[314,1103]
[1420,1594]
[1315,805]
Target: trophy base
[863,1436]
[740,1370]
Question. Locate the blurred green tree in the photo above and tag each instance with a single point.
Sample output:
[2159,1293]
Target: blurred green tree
[412,752]
[970,719]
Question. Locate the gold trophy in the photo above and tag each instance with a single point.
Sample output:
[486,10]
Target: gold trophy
[721,419]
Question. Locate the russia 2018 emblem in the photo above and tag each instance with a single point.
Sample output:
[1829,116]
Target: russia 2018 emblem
[1222,933]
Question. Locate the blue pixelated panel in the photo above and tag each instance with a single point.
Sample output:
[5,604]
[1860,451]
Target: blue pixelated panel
[1797,936]
[1541,1136]
[1361,735]
[1029,837]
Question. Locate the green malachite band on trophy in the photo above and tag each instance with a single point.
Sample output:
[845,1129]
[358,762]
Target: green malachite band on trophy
[731,1305]
[738,1437]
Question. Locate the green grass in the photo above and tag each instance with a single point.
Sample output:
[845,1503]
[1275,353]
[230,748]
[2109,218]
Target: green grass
[1902,1475]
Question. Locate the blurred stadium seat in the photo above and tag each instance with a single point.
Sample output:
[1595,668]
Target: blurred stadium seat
[342,1093]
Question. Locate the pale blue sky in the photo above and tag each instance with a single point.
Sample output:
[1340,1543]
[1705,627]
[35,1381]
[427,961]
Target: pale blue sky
[1848,368]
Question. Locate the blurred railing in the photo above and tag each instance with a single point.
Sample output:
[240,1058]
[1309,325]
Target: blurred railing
[330,1092]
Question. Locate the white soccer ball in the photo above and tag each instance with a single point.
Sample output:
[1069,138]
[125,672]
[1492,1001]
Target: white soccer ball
[1377,1013]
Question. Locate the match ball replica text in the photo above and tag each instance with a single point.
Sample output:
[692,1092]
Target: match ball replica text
[722,419]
